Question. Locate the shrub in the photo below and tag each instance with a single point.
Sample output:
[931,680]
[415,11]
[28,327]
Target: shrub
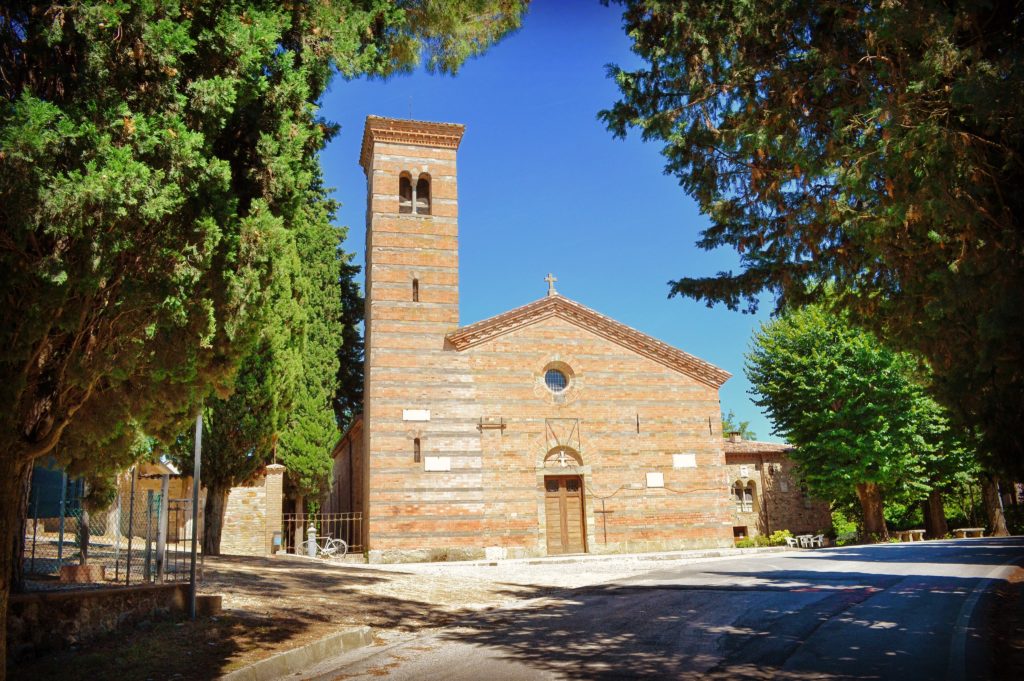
[846,538]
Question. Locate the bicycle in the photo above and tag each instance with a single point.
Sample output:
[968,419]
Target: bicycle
[326,547]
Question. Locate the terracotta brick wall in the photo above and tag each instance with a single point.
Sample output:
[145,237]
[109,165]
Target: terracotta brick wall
[346,494]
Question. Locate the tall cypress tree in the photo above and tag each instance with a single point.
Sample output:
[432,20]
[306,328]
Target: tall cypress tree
[348,401]
[310,431]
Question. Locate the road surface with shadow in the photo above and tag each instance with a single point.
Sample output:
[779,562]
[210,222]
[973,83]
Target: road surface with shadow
[892,611]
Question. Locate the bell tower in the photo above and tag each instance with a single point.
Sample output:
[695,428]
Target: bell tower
[412,302]
[412,259]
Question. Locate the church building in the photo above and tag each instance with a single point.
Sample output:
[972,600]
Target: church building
[547,429]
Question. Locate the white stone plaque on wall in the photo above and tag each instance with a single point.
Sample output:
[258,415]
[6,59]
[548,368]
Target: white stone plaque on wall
[684,461]
[437,463]
[415,414]
[744,471]
[655,479]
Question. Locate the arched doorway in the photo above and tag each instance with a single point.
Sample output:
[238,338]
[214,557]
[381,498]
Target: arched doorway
[563,503]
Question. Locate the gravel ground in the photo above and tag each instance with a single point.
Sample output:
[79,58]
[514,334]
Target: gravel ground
[272,605]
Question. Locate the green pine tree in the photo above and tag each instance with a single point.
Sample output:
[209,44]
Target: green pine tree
[348,402]
[311,430]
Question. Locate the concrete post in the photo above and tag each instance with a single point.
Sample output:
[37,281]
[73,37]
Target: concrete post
[161,528]
[150,510]
[63,512]
[311,546]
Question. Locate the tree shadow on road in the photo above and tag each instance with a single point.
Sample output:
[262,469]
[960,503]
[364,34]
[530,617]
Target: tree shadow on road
[724,632]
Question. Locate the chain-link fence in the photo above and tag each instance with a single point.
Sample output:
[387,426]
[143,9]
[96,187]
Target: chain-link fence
[144,536]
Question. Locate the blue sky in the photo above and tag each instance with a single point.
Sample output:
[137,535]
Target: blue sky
[543,187]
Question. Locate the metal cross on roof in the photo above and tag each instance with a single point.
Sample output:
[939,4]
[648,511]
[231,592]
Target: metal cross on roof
[551,279]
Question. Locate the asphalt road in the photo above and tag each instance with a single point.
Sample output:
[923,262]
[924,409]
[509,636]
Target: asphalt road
[892,611]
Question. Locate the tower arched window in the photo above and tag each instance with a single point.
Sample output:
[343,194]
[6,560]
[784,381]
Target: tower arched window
[422,195]
[405,196]
[415,290]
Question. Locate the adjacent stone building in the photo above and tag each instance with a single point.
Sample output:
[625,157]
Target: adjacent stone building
[767,493]
[547,429]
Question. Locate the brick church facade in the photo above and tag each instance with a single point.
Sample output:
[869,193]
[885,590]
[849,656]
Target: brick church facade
[547,429]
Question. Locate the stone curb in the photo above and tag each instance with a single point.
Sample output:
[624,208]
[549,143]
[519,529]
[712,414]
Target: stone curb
[642,557]
[603,557]
[629,557]
[297,659]
[693,554]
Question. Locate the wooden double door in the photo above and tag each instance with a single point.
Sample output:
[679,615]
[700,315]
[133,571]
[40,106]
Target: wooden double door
[563,506]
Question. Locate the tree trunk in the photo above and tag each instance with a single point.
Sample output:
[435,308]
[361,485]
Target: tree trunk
[870,498]
[213,519]
[300,522]
[934,515]
[15,476]
[993,505]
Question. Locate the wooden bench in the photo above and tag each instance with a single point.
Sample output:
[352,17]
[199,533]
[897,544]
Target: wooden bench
[962,532]
[910,535]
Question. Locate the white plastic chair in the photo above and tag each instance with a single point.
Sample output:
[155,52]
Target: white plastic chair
[818,540]
[791,542]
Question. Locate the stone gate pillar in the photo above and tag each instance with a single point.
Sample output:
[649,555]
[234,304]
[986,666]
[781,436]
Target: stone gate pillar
[274,500]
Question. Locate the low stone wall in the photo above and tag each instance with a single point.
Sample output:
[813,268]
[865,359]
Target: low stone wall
[50,620]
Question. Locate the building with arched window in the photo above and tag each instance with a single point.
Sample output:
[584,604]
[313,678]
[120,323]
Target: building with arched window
[767,492]
[547,429]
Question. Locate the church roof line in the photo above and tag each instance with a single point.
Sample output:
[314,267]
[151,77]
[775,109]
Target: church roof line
[407,131]
[557,305]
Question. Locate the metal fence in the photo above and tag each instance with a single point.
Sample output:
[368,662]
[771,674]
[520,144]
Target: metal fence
[346,526]
[141,538]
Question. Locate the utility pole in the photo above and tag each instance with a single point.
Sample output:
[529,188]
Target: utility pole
[195,515]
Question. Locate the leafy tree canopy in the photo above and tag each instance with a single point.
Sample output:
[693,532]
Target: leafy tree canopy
[875,146]
[851,406]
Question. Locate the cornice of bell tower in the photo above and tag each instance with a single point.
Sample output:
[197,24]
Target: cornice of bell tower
[404,131]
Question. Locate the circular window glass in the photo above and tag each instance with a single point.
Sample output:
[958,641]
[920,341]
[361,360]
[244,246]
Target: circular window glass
[555,380]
